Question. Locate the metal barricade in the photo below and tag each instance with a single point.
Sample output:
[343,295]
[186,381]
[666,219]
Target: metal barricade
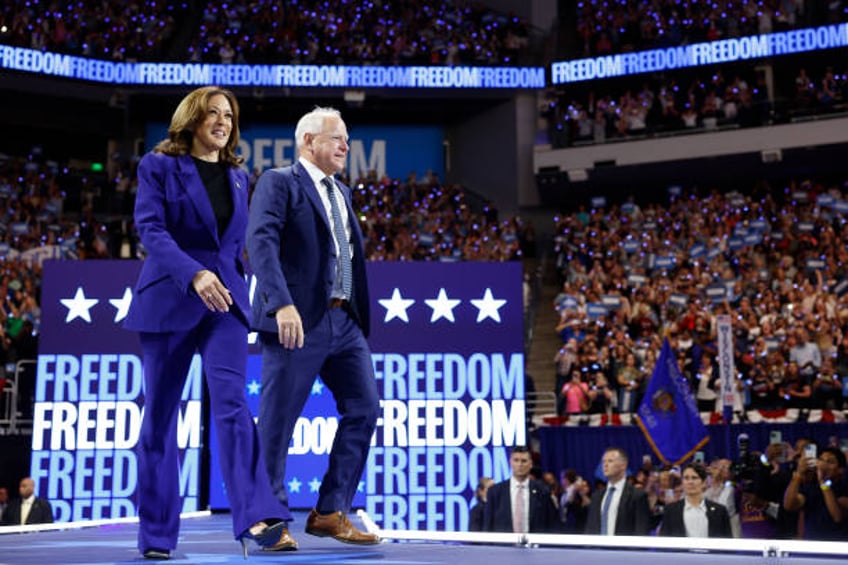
[11,387]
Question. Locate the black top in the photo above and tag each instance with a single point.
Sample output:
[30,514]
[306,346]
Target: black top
[216,181]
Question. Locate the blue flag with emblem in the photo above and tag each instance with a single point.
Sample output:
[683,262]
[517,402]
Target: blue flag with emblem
[668,415]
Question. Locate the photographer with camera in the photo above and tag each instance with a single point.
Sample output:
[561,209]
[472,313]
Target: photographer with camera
[818,488]
[770,482]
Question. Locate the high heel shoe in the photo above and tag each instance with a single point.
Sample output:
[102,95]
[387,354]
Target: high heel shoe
[271,538]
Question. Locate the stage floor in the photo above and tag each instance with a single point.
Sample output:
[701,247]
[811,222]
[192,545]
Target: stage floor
[206,540]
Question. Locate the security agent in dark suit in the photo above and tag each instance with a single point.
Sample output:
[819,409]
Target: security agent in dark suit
[620,508]
[693,515]
[520,504]
[39,509]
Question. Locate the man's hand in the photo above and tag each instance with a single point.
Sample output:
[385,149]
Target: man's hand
[289,327]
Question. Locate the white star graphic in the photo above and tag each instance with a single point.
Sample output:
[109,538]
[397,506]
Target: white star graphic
[78,306]
[253,387]
[122,304]
[442,306]
[488,307]
[360,487]
[314,484]
[317,388]
[396,306]
[294,485]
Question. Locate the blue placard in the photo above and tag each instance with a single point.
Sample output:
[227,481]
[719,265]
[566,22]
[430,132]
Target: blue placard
[426,239]
[630,246]
[678,299]
[568,302]
[599,202]
[698,250]
[815,264]
[841,287]
[805,227]
[611,301]
[664,261]
[596,310]
[735,243]
[752,239]
[19,228]
[716,292]
[825,199]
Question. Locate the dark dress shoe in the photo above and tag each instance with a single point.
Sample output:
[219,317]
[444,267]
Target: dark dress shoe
[338,526]
[158,554]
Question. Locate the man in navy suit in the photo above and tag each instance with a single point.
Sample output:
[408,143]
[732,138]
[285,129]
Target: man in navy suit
[619,509]
[693,515]
[311,310]
[520,504]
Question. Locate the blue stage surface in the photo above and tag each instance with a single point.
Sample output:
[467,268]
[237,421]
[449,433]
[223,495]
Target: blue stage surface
[206,540]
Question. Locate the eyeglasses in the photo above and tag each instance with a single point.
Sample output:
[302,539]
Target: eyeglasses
[337,138]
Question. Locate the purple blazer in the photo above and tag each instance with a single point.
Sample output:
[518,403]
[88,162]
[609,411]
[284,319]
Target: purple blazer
[178,230]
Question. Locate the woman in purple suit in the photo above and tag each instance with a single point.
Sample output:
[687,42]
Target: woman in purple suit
[191,297]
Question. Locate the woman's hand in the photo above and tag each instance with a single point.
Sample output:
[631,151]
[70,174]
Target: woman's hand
[212,291]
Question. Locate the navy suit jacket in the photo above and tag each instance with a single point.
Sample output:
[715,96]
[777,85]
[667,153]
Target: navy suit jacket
[633,517]
[177,226]
[292,252]
[40,513]
[497,513]
[718,520]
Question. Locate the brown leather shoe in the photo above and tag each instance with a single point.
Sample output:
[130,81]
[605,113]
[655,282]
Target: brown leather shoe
[285,543]
[338,526]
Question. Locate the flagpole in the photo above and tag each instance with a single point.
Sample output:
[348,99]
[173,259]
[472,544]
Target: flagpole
[727,373]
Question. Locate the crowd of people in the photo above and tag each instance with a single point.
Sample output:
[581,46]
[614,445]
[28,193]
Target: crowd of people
[772,259]
[427,32]
[424,219]
[111,30]
[669,104]
[430,32]
[785,491]
[605,27]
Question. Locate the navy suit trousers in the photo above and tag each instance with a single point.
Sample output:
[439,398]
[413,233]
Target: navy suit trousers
[337,351]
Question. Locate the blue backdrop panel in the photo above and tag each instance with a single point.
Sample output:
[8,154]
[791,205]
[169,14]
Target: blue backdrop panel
[89,394]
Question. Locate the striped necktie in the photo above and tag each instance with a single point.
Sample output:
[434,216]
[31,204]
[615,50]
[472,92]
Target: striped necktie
[345,266]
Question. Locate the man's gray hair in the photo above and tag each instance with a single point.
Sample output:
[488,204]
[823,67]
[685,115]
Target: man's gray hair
[313,122]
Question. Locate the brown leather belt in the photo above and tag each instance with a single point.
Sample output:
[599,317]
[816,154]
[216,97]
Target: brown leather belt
[338,303]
